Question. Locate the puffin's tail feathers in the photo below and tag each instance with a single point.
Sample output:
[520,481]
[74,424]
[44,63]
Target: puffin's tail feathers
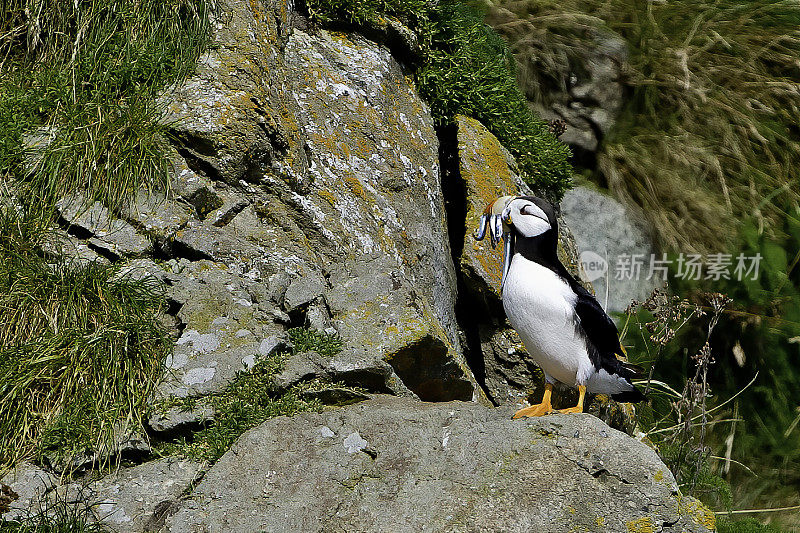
[631,396]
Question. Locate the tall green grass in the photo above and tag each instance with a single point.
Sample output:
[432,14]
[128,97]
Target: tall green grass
[709,132]
[465,68]
[86,74]
[80,349]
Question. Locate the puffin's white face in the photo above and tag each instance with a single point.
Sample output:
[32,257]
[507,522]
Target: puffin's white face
[527,217]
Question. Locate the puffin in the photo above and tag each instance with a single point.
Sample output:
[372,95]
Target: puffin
[563,327]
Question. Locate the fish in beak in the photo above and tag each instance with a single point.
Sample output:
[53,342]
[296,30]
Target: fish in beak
[493,223]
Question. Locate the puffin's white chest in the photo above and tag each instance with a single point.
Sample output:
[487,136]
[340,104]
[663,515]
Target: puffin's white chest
[541,308]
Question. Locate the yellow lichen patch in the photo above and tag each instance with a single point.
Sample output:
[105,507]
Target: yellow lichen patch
[641,525]
[486,169]
[355,187]
[659,475]
[600,521]
[328,196]
[484,162]
[490,261]
[700,514]
[255,9]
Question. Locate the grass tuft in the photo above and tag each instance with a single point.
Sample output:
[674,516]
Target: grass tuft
[81,79]
[80,351]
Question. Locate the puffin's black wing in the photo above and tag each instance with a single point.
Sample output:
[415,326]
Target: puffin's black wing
[602,338]
[597,326]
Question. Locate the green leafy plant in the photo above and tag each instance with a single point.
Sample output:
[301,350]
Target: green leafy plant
[305,340]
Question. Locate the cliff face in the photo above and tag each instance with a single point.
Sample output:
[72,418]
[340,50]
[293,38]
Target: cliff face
[325,164]
[311,190]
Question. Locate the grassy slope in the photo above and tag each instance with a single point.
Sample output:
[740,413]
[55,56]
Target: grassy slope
[87,73]
[80,351]
[709,145]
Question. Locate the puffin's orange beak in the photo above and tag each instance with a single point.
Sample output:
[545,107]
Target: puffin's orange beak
[492,221]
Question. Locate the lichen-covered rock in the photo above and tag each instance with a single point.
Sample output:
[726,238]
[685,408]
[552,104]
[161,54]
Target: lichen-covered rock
[312,167]
[105,232]
[226,326]
[174,421]
[393,464]
[488,171]
[59,244]
[152,213]
[131,500]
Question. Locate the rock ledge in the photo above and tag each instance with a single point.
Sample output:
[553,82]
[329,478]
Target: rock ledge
[395,464]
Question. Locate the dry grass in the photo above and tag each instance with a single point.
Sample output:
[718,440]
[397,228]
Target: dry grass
[709,134]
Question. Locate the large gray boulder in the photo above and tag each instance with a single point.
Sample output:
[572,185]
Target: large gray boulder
[29,484]
[617,234]
[394,464]
[311,170]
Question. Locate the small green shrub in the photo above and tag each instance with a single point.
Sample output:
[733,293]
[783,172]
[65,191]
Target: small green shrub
[306,340]
[250,400]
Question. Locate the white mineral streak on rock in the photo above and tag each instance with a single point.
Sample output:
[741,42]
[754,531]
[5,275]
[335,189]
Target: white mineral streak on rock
[201,342]
[176,361]
[110,512]
[196,376]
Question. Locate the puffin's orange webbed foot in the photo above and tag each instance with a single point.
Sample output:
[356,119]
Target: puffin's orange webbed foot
[539,409]
[578,408]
